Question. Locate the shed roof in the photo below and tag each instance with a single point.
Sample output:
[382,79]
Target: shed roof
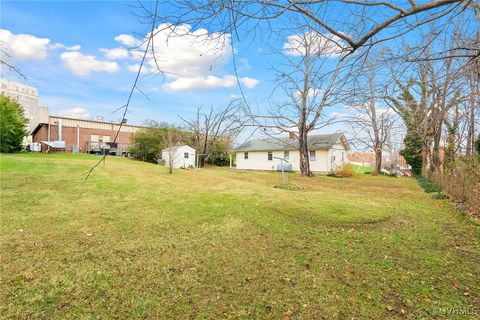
[320,141]
[178,147]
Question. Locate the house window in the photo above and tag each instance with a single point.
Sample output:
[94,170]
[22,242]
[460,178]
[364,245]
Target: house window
[185,155]
[286,155]
[313,156]
[270,155]
[245,155]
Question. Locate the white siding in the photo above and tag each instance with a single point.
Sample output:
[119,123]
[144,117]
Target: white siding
[179,157]
[321,163]
[337,151]
[258,160]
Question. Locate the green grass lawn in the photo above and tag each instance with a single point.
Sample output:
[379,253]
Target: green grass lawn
[358,169]
[134,242]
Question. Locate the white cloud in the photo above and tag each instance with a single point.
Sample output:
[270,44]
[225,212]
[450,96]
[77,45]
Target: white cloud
[320,44]
[23,46]
[78,112]
[209,82]
[250,83]
[133,67]
[191,59]
[187,53]
[115,53]
[83,65]
[62,46]
[74,48]
[56,46]
[127,40]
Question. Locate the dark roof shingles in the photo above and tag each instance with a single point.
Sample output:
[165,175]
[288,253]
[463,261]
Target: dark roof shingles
[323,141]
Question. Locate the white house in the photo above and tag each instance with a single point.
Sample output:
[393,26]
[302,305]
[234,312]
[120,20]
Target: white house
[327,152]
[182,156]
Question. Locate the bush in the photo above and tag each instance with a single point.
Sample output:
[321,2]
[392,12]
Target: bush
[346,171]
[12,125]
[412,151]
[461,182]
[427,185]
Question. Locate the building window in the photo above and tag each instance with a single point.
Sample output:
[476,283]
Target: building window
[185,155]
[313,156]
[343,159]
[245,155]
[270,155]
[286,155]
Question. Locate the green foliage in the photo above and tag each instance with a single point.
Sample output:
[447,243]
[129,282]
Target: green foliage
[412,152]
[12,125]
[219,152]
[149,141]
[427,185]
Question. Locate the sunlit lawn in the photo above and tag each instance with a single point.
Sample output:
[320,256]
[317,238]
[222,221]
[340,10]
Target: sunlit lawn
[133,242]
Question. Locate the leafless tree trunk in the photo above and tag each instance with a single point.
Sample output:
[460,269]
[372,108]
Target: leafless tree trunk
[310,84]
[212,126]
[474,102]
[371,124]
[172,140]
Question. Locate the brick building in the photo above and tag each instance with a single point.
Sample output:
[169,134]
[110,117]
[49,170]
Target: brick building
[66,134]
[368,159]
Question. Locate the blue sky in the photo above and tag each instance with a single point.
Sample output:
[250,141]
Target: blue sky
[79,55]
[71,67]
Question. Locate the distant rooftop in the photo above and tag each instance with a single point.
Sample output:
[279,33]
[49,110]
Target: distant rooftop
[321,141]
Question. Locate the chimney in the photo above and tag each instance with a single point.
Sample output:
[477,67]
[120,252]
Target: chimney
[291,136]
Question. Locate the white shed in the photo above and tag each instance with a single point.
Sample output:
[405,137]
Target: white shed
[182,156]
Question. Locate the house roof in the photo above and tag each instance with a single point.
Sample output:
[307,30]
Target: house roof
[177,147]
[321,141]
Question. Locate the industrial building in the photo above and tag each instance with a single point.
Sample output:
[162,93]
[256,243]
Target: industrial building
[58,133]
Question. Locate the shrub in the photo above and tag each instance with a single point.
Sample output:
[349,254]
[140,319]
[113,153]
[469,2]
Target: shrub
[427,185]
[346,171]
[461,182]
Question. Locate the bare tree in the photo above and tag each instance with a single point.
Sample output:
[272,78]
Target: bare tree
[359,24]
[213,126]
[473,75]
[171,140]
[310,81]
[372,125]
